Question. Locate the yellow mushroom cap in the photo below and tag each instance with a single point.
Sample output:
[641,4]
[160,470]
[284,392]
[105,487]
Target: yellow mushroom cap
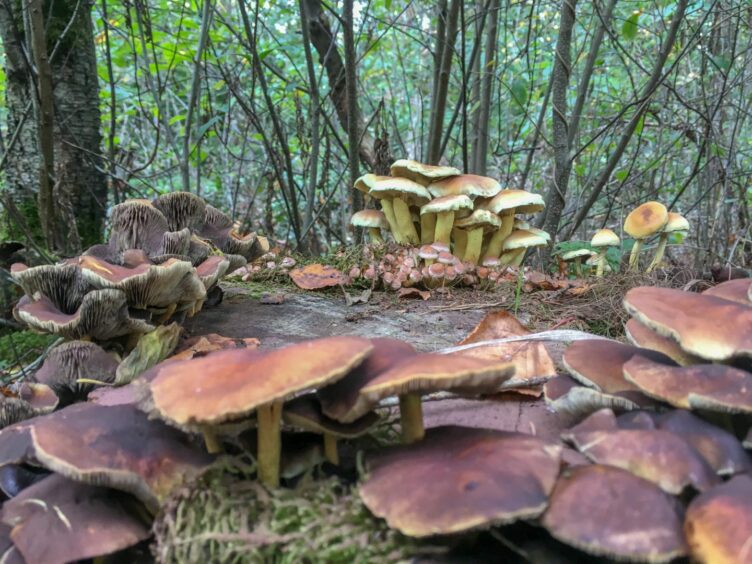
[519,200]
[605,238]
[367,181]
[421,173]
[391,187]
[447,203]
[646,220]
[676,222]
[522,239]
[470,185]
[479,218]
[369,218]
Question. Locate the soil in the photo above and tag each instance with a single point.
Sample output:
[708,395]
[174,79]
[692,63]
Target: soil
[439,322]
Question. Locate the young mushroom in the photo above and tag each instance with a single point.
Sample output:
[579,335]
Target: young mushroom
[397,194]
[445,209]
[505,204]
[373,220]
[576,256]
[602,240]
[676,223]
[516,245]
[643,222]
[230,385]
[474,226]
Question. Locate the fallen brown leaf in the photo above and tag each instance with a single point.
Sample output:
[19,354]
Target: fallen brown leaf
[407,293]
[317,276]
[204,344]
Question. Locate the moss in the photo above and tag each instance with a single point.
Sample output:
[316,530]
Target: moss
[21,347]
[227,516]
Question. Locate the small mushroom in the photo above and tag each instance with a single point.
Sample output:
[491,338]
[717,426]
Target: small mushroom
[576,256]
[445,209]
[643,222]
[374,221]
[396,195]
[470,185]
[305,412]
[602,240]
[516,245]
[505,204]
[58,520]
[606,511]
[459,479]
[706,326]
[475,225]
[676,223]
[718,523]
[423,174]
[229,385]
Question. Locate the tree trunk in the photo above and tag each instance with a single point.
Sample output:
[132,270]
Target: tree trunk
[480,157]
[80,189]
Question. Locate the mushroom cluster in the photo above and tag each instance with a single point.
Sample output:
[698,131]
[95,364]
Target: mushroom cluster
[647,220]
[163,260]
[437,207]
[665,417]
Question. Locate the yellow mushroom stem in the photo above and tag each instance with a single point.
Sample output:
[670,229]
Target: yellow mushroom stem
[375,234]
[443,231]
[635,254]
[212,442]
[658,257]
[411,418]
[388,209]
[473,245]
[460,242]
[404,221]
[518,255]
[504,230]
[167,314]
[427,228]
[578,266]
[601,262]
[269,445]
[330,449]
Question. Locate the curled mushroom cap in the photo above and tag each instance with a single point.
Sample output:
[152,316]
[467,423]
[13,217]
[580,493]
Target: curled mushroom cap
[714,387]
[340,400]
[564,395]
[182,210]
[421,173]
[718,524]
[641,336]
[116,446]
[736,290]
[470,185]
[706,326]
[24,401]
[519,201]
[62,284]
[605,238]
[458,479]
[70,362]
[656,455]
[229,384]
[102,314]
[606,511]
[646,220]
[366,182]
[210,271]
[58,520]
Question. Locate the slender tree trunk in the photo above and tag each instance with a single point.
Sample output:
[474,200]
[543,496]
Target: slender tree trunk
[562,162]
[438,103]
[489,67]
[353,116]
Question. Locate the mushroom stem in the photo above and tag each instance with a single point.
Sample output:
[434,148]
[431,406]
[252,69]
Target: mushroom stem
[213,444]
[658,257]
[578,266]
[518,257]
[411,418]
[427,228]
[443,231]
[388,209]
[460,242]
[601,262]
[405,221]
[634,255]
[375,234]
[330,449]
[473,245]
[269,446]
[497,240]
[167,314]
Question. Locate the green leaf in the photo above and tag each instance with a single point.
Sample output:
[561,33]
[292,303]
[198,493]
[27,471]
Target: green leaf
[629,29]
[519,92]
[640,125]
[621,175]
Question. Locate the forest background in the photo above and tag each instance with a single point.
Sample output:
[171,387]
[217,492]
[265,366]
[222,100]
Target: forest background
[271,109]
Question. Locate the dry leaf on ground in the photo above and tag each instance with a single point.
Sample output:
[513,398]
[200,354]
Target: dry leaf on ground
[317,276]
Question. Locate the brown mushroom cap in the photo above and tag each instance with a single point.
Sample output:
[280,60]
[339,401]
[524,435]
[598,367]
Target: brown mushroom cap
[369,218]
[457,203]
[520,201]
[736,290]
[658,456]
[340,400]
[597,363]
[421,173]
[714,387]
[425,373]
[182,210]
[118,447]
[641,336]
[230,384]
[409,191]
[646,220]
[211,270]
[458,478]
[218,228]
[9,554]
[58,520]
[706,326]
[305,412]
[102,315]
[479,219]
[137,224]
[69,362]
[27,400]
[564,395]
[609,512]
[62,284]
[719,448]
[718,524]
[470,185]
